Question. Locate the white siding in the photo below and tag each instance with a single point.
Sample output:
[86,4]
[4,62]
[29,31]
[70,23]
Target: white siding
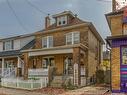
[17,44]
[25,41]
[1,46]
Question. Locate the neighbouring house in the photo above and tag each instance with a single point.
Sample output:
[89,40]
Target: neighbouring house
[68,50]
[117,21]
[105,66]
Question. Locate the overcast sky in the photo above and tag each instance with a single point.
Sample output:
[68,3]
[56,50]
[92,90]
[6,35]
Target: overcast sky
[33,20]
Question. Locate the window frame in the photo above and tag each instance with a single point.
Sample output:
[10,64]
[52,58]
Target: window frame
[72,38]
[8,45]
[48,43]
[61,20]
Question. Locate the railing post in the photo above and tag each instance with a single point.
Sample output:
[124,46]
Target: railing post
[2,67]
[41,83]
[17,83]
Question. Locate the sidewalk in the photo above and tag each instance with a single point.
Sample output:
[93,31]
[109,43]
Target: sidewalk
[17,92]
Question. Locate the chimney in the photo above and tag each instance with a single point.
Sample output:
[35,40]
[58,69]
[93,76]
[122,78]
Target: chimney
[47,21]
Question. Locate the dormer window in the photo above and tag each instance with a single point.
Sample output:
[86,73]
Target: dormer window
[62,20]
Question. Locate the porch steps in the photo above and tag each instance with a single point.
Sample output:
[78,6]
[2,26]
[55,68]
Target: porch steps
[57,81]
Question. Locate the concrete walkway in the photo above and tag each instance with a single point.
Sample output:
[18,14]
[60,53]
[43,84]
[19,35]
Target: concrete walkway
[18,92]
[90,90]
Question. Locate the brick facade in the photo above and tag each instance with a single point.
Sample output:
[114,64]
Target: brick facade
[115,66]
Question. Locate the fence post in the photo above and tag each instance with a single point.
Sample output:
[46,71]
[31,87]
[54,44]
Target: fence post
[45,81]
[31,82]
[41,83]
[17,83]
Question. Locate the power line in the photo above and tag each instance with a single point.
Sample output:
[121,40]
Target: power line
[16,16]
[108,1]
[32,5]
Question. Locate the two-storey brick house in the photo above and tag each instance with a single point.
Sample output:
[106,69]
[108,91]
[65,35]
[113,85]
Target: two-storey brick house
[117,21]
[68,49]
[63,44]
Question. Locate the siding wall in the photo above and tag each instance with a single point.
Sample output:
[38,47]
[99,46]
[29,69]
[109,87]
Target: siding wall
[19,43]
[1,46]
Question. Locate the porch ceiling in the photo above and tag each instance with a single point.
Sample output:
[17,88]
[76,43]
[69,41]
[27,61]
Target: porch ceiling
[50,52]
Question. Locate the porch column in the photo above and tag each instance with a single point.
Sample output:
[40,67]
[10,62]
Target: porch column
[76,61]
[19,67]
[2,67]
[26,63]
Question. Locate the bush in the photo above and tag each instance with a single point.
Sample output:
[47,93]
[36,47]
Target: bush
[100,76]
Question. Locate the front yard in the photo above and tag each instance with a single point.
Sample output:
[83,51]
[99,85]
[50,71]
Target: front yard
[90,90]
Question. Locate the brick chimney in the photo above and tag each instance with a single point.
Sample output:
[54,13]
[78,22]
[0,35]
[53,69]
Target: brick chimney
[47,21]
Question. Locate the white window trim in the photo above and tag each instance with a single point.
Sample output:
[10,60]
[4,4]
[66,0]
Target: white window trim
[61,19]
[47,41]
[4,45]
[72,36]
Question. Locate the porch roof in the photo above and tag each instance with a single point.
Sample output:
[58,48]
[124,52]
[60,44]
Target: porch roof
[110,39]
[53,50]
[10,53]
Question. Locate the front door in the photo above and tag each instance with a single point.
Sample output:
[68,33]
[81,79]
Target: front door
[68,66]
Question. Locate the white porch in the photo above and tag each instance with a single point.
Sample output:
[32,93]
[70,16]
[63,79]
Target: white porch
[9,67]
[37,73]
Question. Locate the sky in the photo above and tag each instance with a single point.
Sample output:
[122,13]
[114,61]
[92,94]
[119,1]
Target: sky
[32,20]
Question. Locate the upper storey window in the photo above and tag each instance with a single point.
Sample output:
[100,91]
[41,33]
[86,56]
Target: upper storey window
[8,45]
[61,20]
[47,42]
[72,38]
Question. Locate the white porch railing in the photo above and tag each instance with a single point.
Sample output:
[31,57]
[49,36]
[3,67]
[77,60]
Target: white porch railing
[37,72]
[7,72]
[25,84]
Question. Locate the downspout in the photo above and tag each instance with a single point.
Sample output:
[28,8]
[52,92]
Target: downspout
[110,66]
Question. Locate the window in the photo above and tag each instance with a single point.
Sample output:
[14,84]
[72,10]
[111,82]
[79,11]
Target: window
[124,56]
[125,29]
[61,20]
[47,42]
[8,45]
[48,61]
[72,38]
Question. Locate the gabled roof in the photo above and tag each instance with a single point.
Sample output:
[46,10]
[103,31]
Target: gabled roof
[63,13]
[116,12]
[10,53]
[29,45]
[17,37]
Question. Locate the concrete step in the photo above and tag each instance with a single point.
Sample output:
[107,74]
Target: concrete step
[57,81]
